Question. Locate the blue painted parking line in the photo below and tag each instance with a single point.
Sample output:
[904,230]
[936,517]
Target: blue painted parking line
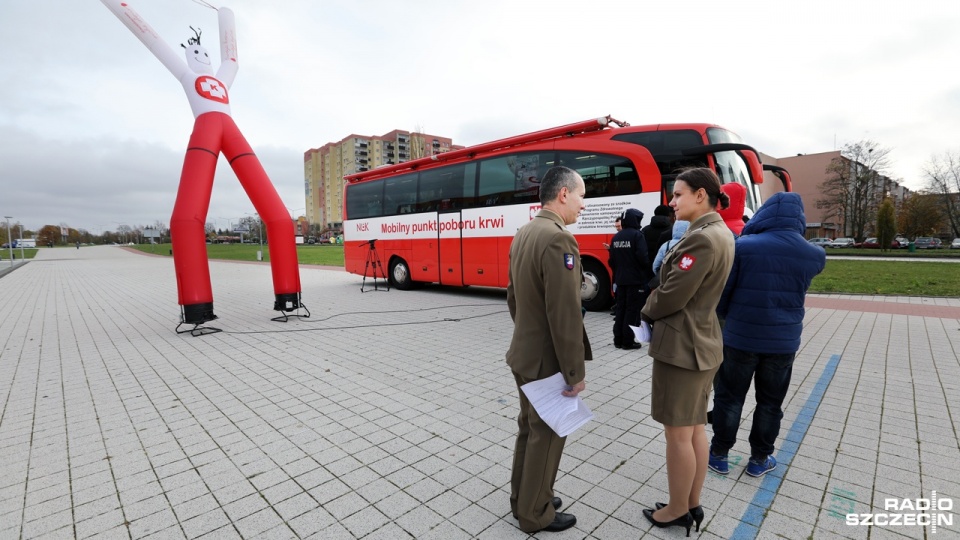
[754,514]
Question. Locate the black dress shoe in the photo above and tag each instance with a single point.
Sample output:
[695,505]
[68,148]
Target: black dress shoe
[685,521]
[697,513]
[556,502]
[561,522]
[632,346]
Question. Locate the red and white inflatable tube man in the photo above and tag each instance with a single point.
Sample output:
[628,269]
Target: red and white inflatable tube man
[214,132]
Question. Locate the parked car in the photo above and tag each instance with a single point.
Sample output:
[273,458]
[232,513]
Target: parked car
[927,242]
[874,243]
[955,244]
[842,243]
[822,242]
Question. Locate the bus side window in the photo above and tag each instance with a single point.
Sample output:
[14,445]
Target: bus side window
[401,194]
[497,181]
[603,174]
[627,182]
[365,200]
[513,178]
[441,188]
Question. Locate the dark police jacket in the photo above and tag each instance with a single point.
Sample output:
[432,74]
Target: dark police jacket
[628,252]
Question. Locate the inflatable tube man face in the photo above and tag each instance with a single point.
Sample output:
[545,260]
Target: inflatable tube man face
[198,60]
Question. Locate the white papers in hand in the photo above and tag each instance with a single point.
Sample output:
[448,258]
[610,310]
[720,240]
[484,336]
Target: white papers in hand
[642,332]
[563,414]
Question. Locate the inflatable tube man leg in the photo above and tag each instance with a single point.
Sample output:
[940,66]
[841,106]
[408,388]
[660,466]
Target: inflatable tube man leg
[212,133]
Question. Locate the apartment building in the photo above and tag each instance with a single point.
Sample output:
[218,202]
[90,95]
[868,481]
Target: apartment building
[808,172]
[325,167]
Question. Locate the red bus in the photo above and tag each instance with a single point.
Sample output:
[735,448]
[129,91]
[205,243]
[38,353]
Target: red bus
[450,218]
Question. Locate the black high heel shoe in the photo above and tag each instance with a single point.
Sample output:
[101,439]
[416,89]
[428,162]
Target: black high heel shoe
[685,520]
[697,513]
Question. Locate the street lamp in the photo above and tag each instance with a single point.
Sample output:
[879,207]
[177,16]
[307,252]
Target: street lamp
[123,239]
[22,256]
[9,240]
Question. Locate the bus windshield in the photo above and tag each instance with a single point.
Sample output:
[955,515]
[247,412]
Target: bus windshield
[674,149]
[731,167]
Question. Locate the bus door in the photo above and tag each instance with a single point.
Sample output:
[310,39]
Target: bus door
[450,254]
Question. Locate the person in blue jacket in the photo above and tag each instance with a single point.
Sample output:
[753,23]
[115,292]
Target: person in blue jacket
[631,271]
[679,229]
[763,304]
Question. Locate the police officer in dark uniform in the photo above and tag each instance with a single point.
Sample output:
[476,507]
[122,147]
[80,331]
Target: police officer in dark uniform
[632,273]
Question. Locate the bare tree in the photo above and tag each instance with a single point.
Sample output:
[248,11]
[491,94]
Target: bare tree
[855,186]
[920,215]
[252,225]
[124,232]
[943,180]
[162,228]
[418,143]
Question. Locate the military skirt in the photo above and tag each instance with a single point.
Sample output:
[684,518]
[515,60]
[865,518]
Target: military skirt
[680,397]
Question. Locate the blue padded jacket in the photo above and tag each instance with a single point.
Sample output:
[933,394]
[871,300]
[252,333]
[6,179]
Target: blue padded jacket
[772,270]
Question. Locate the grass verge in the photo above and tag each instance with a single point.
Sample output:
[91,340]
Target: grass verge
[28,253]
[320,254]
[900,278]
[904,278]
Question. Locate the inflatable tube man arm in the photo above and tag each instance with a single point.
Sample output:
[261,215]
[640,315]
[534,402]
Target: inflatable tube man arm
[146,34]
[228,47]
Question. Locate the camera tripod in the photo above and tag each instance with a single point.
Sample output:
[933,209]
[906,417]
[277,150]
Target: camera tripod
[373,266]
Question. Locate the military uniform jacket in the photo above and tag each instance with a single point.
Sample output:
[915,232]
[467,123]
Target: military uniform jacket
[543,295]
[686,331]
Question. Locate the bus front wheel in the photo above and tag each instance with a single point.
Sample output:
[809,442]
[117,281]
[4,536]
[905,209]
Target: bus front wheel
[400,275]
[595,290]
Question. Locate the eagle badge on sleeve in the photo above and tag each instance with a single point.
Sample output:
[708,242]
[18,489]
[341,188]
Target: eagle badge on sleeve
[686,262]
[568,260]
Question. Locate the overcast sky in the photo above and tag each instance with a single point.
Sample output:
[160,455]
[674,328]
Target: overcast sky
[93,128]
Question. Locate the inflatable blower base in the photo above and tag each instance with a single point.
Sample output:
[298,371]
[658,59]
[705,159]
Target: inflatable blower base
[287,302]
[198,313]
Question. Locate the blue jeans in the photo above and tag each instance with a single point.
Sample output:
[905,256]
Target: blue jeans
[771,377]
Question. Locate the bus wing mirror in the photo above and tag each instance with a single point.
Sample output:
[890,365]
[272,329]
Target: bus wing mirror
[782,174]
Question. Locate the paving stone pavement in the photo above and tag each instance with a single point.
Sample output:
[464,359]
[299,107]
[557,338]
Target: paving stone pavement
[392,415]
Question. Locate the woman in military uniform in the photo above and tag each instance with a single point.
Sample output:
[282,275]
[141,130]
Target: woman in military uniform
[686,344]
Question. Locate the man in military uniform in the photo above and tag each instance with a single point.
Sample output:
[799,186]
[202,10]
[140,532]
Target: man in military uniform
[543,295]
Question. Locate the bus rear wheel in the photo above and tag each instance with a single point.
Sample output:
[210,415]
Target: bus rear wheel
[400,274]
[595,290]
